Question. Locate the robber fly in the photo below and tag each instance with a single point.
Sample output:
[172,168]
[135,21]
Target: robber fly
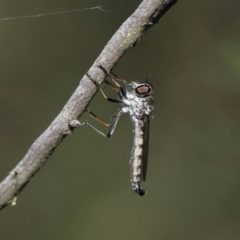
[136,100]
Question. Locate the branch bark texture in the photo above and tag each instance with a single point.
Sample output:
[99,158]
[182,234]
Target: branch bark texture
[146,15]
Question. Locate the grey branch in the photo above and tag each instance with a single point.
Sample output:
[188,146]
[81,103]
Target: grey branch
[146,15]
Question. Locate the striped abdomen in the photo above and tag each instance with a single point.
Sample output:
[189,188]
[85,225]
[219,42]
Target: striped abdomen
[137,158]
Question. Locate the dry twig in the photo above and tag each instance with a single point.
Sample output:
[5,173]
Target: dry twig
[146,15]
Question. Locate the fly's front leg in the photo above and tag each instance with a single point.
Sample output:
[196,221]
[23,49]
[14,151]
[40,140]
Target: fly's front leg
[102,91]
[113,77]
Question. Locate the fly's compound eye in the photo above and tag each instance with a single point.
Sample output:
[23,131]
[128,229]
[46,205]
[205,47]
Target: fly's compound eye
[143,90]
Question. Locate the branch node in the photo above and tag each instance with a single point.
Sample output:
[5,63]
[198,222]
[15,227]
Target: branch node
[13,174]
[13,201]
[75,124]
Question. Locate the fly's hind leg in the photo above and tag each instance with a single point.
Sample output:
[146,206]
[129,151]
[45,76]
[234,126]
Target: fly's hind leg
[112,125]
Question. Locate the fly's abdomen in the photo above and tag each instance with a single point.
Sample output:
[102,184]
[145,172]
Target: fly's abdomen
[136,160]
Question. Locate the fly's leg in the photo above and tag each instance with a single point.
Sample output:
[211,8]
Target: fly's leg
[112,125]
[114,100]
[90,113]
[113,77]
[114,120]
[102,91]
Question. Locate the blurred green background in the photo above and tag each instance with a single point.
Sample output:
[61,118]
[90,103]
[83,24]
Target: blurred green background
[83,191]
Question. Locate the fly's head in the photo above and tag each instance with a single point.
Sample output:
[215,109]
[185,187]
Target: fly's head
[139,90]
[137,96]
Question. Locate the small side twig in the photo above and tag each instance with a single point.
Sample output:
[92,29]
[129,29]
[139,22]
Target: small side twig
[146,15]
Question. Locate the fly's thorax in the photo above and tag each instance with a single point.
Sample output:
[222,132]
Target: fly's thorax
[137,108]
[149,105]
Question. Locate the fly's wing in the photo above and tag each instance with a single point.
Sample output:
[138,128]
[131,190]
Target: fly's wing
[145,129]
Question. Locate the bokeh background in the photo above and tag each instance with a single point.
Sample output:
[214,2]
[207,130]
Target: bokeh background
[83,191]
